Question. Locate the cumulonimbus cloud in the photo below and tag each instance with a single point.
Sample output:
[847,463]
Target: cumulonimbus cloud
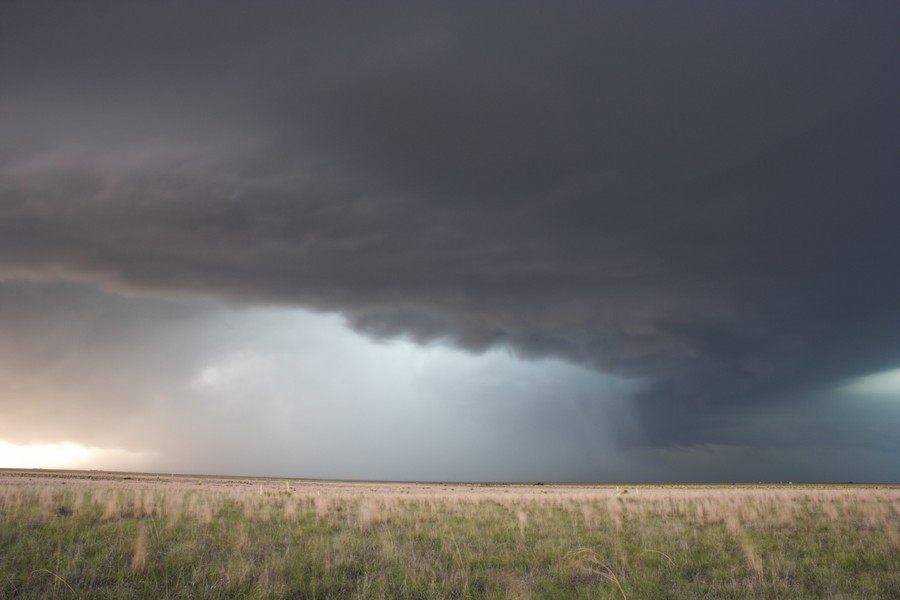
[703,199]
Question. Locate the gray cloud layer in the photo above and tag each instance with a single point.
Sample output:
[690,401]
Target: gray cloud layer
[703,197]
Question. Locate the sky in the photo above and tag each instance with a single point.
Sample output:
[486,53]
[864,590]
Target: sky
[481,241]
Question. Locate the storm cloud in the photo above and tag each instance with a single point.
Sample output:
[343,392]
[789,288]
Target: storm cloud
[701,198]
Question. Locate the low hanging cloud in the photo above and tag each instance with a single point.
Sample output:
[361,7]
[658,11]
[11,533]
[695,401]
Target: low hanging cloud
[704,200]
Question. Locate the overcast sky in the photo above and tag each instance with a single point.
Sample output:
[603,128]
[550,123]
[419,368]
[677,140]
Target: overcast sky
[464,240]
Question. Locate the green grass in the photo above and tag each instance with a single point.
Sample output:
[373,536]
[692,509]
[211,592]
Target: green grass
[75,537]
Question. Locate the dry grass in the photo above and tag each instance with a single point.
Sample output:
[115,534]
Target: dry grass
[139,551]
[105,535]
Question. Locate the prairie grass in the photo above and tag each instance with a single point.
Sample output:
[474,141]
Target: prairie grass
[84,535]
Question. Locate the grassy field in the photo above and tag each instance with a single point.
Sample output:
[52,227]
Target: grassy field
[104,535]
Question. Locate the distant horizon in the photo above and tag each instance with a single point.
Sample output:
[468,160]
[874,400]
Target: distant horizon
[161,475]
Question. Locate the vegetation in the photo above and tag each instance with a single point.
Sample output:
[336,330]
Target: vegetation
[106,536]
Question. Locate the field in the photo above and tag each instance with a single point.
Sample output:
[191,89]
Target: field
[113,535]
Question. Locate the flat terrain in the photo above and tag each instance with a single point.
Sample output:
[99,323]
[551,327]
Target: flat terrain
[69,534]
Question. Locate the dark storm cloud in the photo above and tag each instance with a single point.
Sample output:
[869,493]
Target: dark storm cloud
[702,196]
